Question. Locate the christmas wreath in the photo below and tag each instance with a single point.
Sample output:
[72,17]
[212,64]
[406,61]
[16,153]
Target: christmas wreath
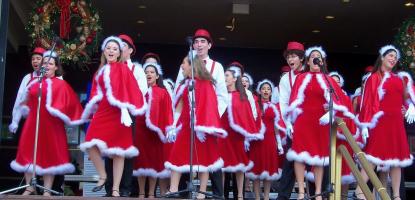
[79,28]
[405,40]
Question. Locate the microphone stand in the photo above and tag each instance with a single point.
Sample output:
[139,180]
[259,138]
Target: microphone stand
[330,186]
[33,183]
[191,189]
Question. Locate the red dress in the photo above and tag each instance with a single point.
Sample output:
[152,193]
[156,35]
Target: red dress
[207,121]
[240,124]
[150,134]
[59,105]
[264,153]
[114,88]
[310,143]
[387,145]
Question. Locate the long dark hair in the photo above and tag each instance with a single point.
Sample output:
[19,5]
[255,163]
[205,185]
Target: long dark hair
[261,105]
[159,81]
[239,86]
[378,63]
[59,71]
[323,69]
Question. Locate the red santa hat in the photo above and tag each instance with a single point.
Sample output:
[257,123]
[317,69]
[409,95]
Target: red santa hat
[315,48]
[129,41]
[202,33]
[112,38]
[259,85]
[39,51]
[150,55]
[386,48]
[237,68]
[155,65]
[285,69]
[249,77]
[294,47]
[369,69]
[341,79]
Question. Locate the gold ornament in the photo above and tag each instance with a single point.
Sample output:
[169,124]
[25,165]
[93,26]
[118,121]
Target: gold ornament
[83,3]
[75,58]
[82,38]
[79,29]
[35,17]
[72,46]
[412,65]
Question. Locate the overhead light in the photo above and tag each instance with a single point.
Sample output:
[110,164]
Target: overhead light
[346,1]
[222,38]
[355,46]
[142,6]
[315,31]
[409,4]
[329,17]
[231,26]
[240,8]
[140,21]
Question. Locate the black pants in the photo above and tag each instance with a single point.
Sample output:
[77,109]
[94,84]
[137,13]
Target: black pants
[216,180]
[287,180]
[126,179]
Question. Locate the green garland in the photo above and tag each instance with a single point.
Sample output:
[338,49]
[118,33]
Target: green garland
[86,29]
[405,40]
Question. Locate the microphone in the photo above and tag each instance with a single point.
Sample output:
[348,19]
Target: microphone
[57,40]
[189,40]
[318,62]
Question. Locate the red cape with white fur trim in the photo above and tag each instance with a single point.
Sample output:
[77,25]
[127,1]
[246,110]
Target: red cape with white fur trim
[59,105]
[206,154]
[308,97]
[120,87]
[383,98]
[114,88]
[150,134]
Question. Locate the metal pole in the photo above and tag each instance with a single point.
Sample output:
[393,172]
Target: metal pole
[4,18]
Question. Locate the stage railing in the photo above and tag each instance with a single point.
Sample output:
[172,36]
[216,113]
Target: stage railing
[341,152]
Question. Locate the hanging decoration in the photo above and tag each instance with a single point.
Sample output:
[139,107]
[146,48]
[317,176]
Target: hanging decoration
[405,40]
[78,25]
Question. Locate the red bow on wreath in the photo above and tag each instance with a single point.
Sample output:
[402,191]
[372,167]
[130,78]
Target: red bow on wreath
[65,22]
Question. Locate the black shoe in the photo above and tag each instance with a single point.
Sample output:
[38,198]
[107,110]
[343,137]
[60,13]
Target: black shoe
[172,195]
[99,187]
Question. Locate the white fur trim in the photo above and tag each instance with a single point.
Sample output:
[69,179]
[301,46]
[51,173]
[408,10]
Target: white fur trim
[197,168]
[59,169]
[275,97]
[51,54]
[114,38]
[335,73]
[357,93]
[236,71]
[105,151]
[265,175]
[315,48]
[179,92]
[241,167]
[293,109]
[212,130]
[250,136]
[151,173]
[252,103]
[389,47]
[151,64]
[372,124]
[277,114]
[55,112]
[258,87]
[409,85]
[305,157]
[115,102]
[381,91]
[391,162]
[249,77]
[149,124]
[168,83]
[336,107]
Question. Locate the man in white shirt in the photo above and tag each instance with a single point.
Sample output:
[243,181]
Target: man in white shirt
[202,42]
[294,55]
[36,61]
